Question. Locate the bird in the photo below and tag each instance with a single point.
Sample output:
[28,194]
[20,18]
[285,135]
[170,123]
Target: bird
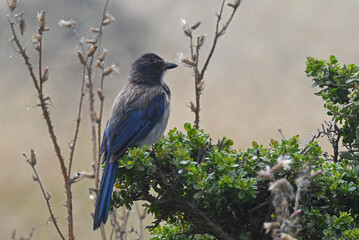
[139,116]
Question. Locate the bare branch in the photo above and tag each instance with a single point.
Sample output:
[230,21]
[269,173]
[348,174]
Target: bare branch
[45,194]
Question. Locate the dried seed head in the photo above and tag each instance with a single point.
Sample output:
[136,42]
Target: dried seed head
[81,57]
[200,85]
[268,226]
[283,162]
[32,157]
[99,64]
[41,19]
[22,25]
[201,40]
[91,50]
[186,29]
[235,4]
[284,236]
[12,5]
[110,69]
[90,41]
[36,39]
[108,19]
[192,106]
[100,94]
[109,16]
[266,173]
[68,23]
[196,25]
[103,55]
[45,75]
[95,117]
[95,30]
[282,186]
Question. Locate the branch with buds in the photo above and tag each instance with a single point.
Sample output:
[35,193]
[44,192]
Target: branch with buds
[195,45]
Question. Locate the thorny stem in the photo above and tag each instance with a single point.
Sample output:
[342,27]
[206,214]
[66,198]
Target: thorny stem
[46,196]
[38,85]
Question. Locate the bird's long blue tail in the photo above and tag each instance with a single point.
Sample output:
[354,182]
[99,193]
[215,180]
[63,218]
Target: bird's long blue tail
[104,193]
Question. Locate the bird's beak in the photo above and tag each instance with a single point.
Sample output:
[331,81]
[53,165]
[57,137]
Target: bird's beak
[170,65]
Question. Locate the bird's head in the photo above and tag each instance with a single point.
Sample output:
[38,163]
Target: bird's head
[149,69]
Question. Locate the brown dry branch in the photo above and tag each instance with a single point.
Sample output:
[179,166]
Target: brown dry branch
[38,84]
[195,46]
[28,237]
[32,162]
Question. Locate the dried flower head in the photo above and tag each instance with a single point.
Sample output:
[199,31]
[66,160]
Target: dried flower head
[100,94]
[81,57]
[268,226]
[91,50]
[68,23]
[22,24]
[110,69]
[192,106]
[282,186]
[284,236]
[32,159]
[12,5]
[108,19]
[41,19]
[283,162]
[45,75]
[103,55]
[186,29]
[266,173]
[195,26]
[95,30]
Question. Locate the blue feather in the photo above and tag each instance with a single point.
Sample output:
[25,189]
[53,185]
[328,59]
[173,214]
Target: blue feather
[131,127]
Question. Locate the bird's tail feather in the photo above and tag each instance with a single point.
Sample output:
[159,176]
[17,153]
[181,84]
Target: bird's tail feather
[104,193]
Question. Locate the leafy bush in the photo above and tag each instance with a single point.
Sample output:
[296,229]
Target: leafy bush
[200,190]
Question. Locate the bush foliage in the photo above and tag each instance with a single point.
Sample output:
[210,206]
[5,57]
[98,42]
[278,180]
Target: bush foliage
[197,189]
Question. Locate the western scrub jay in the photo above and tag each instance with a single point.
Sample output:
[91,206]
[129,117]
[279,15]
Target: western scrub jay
[139,116]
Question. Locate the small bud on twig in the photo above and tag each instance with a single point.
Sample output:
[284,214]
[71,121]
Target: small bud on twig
[200,85]
[45,75]
[192,106]
[90,41]
[110,69]
[22,25]
[109,19]
[100,94]
[91,50]
[99,64]
[95,30]
[12,5]
[81,57]
[103,55]
[41,20]
[67,23]
[196,25]
[94,114]
[36,39]
[32,157]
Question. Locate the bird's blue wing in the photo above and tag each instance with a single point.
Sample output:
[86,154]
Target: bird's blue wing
[133,125]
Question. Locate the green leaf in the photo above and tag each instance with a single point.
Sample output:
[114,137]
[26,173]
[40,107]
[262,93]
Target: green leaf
[333,59]
[198,194]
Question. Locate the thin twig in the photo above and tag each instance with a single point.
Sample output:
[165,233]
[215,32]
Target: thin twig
[46,195]
[38,85]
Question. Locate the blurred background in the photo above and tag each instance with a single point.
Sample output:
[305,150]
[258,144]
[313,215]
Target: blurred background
[255,84]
